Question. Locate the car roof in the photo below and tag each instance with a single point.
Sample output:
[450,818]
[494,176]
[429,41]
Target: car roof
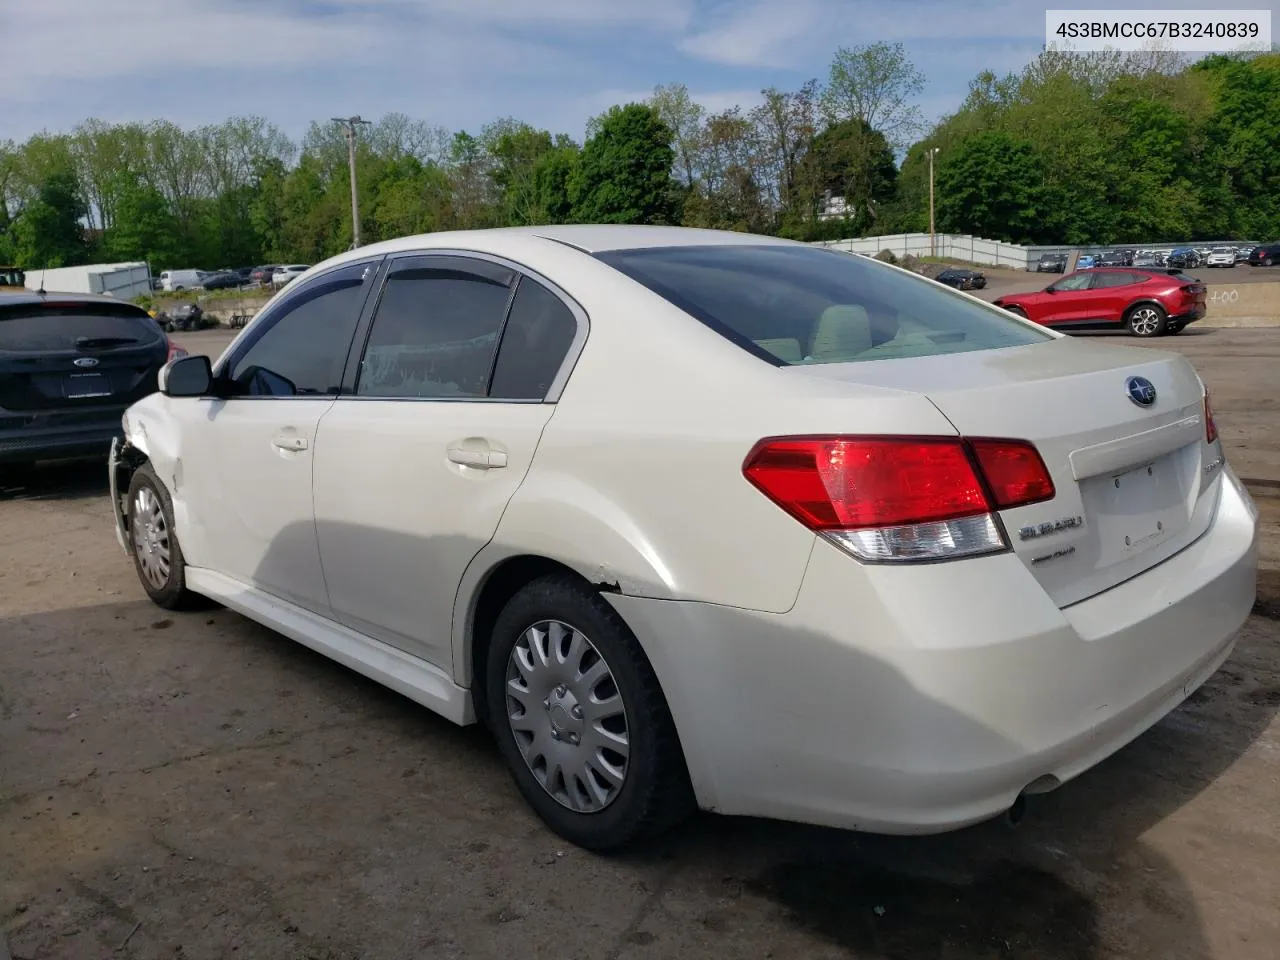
[588,238]
[63,299]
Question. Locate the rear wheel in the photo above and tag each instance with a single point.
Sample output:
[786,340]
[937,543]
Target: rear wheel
[157,555]
[580,718]
[1267,261]
[1147,320]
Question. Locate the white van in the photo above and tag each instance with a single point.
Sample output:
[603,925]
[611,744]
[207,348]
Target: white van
[172,280]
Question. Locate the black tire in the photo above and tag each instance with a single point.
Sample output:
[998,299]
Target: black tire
[655,793]
[1175,329]
[1017,312]
[1147,320]
[1267,261]
[171,592]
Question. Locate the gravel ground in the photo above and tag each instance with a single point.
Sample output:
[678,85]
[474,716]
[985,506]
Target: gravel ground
[196,786]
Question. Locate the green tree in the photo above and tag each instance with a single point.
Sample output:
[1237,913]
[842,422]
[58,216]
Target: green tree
[49,231]
[852,161]
[624,173]
[875,83]
[143,229]
[992,186]
[552,175]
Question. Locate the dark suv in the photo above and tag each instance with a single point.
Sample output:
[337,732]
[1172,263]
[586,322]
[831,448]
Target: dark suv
[1265,255]
[69,366]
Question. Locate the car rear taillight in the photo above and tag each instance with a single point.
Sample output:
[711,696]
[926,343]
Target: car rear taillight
[175,351]
[1015,473]
[900,498]
[1210,425]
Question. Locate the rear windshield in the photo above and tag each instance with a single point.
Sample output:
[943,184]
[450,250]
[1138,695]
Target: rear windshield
[795,305]
[34,328]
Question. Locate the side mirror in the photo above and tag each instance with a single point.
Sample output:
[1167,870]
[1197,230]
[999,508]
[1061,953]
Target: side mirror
[1052,288]
[186,377]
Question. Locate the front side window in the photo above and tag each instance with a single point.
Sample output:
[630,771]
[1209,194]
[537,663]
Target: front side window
[795,304]
[435,333]
[1077,281]
[303,349]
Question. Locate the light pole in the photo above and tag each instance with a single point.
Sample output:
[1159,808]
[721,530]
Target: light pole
[933,236]
[349,125]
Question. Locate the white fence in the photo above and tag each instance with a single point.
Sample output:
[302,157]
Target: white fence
[972,249]
[993,253]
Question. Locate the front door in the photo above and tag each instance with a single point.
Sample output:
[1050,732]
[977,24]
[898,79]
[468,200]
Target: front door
[247,457]
[1070,300]
[415,468]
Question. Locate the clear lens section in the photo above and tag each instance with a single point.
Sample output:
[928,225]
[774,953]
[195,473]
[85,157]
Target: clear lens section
[939,540]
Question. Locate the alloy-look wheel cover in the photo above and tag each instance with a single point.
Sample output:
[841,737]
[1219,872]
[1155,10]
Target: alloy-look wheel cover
[1145,321]
[567,716]
[150,535]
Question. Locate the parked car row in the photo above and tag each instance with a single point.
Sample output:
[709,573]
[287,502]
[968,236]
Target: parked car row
[1186,257]
[271,274]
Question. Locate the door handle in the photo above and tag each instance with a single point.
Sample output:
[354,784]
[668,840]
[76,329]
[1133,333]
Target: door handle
[480,459]
[295,444]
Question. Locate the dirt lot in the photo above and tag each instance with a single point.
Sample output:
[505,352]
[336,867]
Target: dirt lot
[196,786]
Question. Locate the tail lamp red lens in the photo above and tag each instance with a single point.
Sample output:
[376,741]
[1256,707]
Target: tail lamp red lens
[176,351]
[833,484]
[1210,425]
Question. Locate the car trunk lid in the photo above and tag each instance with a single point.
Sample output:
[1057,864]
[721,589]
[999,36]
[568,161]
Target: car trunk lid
[1132,481]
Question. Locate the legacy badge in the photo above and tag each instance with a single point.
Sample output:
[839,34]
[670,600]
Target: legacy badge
[1044,529]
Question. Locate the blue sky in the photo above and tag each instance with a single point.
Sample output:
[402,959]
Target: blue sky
[461,63]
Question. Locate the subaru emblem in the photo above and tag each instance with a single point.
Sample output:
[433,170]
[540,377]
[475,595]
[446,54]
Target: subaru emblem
[86,362]
[1141,391]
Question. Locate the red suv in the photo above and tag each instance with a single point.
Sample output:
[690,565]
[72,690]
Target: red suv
[1148,302]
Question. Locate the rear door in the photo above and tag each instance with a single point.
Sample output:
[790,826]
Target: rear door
[1111,293]
[417,462]
[74,363]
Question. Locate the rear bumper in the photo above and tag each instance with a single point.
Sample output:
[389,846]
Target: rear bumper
[28,446]
[918,700]
[1190,316]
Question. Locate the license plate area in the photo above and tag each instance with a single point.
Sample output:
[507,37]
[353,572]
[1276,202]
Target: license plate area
[80,386]
[1139,508]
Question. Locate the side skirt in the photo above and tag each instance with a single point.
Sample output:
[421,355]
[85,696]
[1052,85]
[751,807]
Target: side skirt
[407,675]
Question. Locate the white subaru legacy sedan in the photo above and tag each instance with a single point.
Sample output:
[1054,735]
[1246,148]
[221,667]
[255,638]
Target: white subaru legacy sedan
[692,518]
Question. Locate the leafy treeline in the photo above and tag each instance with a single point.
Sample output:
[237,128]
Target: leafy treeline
[1075,149]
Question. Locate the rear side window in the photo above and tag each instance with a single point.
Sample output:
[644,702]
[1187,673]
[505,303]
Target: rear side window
[538,334]
[1112,278]
[806,305]
[434,335]
[50,328]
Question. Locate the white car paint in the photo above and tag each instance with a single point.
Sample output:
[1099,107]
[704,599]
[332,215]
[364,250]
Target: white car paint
[1221,257]
[804,684]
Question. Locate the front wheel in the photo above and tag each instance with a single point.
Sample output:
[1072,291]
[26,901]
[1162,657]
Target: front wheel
[1147,320]
[157,555]
[580,718]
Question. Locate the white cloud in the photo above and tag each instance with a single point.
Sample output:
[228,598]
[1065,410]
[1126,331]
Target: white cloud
[761,35]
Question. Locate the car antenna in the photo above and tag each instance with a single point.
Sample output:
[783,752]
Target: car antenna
[42,292]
